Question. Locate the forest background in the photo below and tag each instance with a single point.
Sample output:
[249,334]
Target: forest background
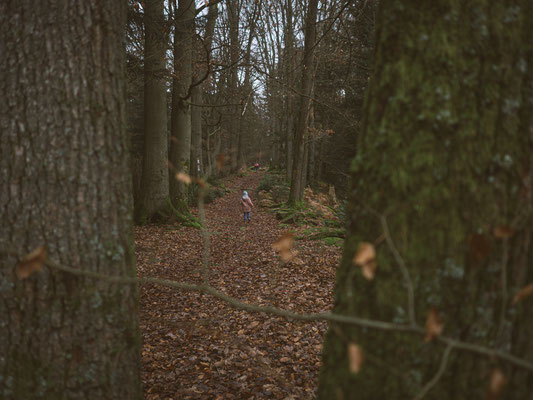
[110,107]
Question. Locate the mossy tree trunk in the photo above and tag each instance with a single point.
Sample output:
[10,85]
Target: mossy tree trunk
[65,174]
[181,123]
[154,181]
[446,156]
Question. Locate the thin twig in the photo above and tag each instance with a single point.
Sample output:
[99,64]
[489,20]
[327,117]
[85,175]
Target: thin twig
[403,268]
[438,375]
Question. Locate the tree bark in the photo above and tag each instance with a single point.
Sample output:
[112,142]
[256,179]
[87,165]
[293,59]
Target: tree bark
[296,192]
[65,174]
[155,189]
[233,11]
[212,16]
[290,66]
[196,133]
[181,124]
[446,155]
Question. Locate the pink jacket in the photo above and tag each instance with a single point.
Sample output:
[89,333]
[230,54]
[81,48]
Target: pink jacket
[247,204]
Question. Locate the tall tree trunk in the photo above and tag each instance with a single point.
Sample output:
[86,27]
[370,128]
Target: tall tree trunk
[154,196]
[296,192]
[233,10]
[303,176]
[65,174]
[290,65]
[196,133]
[446,154]
[247,88]
[203,56]
[181,123]
[312,149]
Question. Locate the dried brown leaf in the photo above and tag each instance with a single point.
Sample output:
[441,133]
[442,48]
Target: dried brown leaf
[183,177]
[355,357]
[526,291]
[366,259]
[365,253]
[284,245]
[33,262]
[503,232]
[434,325]
[369,270]
[253,325]
[496,384]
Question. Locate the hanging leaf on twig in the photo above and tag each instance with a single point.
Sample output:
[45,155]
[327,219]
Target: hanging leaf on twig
[496,384]
[434,325]
[503,232]
[355,358]
[366,259]
[284,245]
[33,262]
[526,291]
[183,177]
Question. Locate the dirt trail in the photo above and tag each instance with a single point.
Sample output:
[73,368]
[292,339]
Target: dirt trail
[196,346]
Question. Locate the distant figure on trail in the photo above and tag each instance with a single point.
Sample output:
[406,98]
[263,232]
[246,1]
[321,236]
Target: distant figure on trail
[247,205]
[256,167]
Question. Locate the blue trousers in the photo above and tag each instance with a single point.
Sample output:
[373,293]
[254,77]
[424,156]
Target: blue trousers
[246,216]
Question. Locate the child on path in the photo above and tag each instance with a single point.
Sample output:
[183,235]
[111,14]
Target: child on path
[247,205]
[256,167]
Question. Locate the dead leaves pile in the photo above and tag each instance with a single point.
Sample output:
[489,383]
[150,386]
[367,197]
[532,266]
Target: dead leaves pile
[196,346]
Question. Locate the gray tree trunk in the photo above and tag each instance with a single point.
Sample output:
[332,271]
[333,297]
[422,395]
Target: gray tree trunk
[155,190]
[196,133]
[290,64]
[203,56]
[233,10]
[66,184]
[181,123]
[296,192]
[312,150]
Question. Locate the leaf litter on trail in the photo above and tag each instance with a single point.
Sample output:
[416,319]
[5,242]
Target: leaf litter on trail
[198,347]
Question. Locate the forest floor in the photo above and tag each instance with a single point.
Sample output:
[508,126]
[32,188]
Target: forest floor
[196,346]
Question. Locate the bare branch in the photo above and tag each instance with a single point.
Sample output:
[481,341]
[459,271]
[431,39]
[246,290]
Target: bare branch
[438,375]
[325,316]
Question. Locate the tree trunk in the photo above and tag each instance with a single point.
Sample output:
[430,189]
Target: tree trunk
[65,174]
[305,161]
[312,150]
[296,192]
[181,124]
[446,154]
[154,197]
[233,10]
[196,133]
[212,16]
[290,66]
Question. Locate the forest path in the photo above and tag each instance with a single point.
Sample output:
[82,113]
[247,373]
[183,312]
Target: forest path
[196,346]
